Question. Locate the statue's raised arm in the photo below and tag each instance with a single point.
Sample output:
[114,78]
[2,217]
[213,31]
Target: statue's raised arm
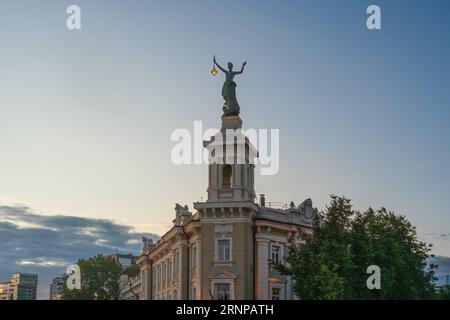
[218,65]
[242,68]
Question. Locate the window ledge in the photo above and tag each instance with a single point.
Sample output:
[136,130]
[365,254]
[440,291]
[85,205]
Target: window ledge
[224,263]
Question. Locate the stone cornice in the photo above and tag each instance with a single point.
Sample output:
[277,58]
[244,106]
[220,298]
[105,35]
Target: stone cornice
[228,204]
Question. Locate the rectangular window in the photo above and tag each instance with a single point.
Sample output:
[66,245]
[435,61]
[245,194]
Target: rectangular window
[276,293]
[276,253]
[223,250]
[222,291]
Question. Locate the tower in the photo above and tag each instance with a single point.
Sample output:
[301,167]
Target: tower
[231,164]
[227,248]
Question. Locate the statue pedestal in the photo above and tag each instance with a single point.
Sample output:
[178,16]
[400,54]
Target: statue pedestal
[231,122]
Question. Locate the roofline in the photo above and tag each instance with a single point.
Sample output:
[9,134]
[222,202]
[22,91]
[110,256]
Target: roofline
[289,223]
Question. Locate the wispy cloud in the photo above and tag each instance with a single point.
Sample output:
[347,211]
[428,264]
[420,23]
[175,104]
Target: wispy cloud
[31,242]
[43,262]
[444,236]
[440,241]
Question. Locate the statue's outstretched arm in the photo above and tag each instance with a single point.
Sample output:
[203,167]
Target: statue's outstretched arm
[218,66]
[242,69]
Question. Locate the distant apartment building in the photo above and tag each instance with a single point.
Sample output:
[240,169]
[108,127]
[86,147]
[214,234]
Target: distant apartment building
[56,288]
[125,260]
[23,286]
[4,289]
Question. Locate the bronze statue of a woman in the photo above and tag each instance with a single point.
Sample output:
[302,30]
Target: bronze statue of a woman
[231,106]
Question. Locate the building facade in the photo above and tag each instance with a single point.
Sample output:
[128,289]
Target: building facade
[130,287]
[226,248]
[23,286]
[56,288]
[4,289]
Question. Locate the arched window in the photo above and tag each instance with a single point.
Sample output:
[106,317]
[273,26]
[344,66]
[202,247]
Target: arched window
[226,176]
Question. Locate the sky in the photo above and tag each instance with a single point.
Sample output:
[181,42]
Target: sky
[87,116]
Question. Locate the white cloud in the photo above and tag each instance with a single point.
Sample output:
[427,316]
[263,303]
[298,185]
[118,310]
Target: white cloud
[43,262]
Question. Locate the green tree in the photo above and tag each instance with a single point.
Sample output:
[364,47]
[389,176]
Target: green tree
[443,292]
[132,271]
[99,280]
[332,263]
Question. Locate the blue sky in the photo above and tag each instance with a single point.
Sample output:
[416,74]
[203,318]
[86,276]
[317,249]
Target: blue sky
[87,116]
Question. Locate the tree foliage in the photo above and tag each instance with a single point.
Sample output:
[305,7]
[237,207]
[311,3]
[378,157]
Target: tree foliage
[132,271]
[443,292]
[332,263]
[99,280]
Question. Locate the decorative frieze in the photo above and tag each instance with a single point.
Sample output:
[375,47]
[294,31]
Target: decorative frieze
[223,228]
